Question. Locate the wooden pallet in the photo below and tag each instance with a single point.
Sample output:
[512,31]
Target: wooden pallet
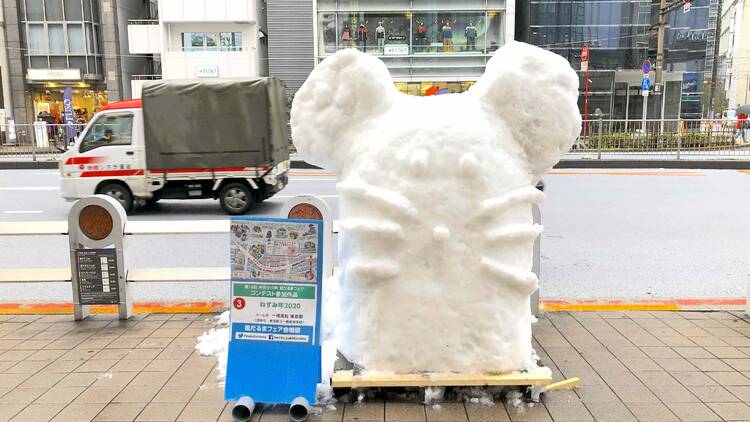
[535,377]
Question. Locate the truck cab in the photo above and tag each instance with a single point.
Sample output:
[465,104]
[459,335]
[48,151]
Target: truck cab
[109,157]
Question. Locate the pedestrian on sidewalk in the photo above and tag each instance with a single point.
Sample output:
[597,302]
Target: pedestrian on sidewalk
[742,126]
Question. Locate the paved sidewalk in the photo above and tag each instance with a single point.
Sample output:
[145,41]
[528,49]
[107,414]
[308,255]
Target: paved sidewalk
[648,366]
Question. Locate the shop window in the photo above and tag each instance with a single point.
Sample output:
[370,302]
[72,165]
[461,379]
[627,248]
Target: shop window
[73,10]
[34,10]
[495,30]
[376,33]
[108,130]
[372,5]
[54,10]
[56,39]
[231,41]
[449,5]
[76,43]
[446,32]
[212,41]
[37,39]
[329,36]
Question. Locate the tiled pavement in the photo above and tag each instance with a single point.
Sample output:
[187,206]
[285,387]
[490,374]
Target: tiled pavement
[648,366]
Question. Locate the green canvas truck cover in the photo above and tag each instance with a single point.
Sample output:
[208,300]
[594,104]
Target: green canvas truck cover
[215,123]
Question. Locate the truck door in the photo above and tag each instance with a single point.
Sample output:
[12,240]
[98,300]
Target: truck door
[107,150]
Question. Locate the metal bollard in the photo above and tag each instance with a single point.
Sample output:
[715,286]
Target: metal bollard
[599,141]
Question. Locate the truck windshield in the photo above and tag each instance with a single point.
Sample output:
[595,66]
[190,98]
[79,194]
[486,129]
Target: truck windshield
[109,129]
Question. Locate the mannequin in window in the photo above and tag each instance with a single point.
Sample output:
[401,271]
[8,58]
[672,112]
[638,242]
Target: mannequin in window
[471,37]
[362,38]
[447,34]
[421,36]
[346,37]
[380,35]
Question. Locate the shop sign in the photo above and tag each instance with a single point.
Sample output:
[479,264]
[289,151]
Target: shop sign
[396,50]
[53,74]
[207,71]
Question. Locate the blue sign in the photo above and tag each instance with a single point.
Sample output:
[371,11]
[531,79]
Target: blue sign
[646,67]
[69,115]
[646,84]
[276,292]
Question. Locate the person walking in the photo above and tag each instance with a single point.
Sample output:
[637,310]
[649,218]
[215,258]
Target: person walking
[362,38]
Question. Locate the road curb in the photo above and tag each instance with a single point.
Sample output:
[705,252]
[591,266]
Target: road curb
[563,164]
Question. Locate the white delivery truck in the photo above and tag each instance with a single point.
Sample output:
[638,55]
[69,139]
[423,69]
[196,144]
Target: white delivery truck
[220,139]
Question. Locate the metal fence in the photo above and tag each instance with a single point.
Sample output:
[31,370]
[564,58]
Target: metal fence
[677,137]
[38,141]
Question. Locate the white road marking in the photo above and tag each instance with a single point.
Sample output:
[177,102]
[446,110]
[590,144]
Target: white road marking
[23,212]
[292,196]
[31,188]
[317,179]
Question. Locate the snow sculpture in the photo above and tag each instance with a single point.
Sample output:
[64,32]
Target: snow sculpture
[435,198]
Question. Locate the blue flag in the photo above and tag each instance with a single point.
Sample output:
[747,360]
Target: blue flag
[69,115]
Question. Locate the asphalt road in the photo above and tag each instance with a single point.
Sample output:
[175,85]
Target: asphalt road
[609,234]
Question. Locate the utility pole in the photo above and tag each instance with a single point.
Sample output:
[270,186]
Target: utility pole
[660,42]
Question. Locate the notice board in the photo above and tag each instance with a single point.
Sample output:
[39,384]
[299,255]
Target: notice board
[275,287]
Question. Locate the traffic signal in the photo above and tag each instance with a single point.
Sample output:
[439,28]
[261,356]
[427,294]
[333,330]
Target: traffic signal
[685,6]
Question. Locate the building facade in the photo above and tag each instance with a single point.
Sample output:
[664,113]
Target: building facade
[621,37]
[185,39]
[734,53]
[55,44]
[429,46]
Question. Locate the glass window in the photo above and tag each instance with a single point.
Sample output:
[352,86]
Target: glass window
[73,10]
[37,39]
[193,41]
[58,62]
[329,36]
[108,129]
[91,65]
[231,41]
[76,44]
[95,11]
[212,41]
[34,10]
[77,62]
[54,10]
[39,62]
[326,4]
[449,32]
[372,5]
[90,39]
[56,39]
[495,30]
[87,10]
[377,32]
[449,5]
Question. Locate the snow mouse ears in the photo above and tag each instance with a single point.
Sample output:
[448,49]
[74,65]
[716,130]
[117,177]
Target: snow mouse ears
[534,93]
[341,94]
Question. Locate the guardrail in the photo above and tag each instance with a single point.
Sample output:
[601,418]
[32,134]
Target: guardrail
[38,141]
[676,137]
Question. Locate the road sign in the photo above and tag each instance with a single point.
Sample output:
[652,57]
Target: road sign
[646,67]
[646,84]
[686,6]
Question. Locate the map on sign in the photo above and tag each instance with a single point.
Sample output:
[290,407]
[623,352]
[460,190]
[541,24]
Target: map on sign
[269,250]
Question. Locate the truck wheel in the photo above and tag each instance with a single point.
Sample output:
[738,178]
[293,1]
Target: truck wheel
[120,193]
[236,198]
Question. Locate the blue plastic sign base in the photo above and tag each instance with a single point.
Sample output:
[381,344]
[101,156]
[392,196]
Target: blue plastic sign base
[276,291]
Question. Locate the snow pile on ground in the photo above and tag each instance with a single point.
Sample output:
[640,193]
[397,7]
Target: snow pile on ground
[215,342]
[435,197]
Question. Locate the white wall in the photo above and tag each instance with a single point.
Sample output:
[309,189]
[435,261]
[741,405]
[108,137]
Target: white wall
[207,10]
[230,64]
[144,39]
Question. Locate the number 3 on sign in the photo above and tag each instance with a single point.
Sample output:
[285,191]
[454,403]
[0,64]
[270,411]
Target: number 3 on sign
[238,303]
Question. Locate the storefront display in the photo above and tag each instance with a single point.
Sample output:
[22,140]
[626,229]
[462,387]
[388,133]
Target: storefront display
[405,29]
[48,103]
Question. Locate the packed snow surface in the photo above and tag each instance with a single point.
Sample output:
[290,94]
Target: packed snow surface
[215,342]
[435,198]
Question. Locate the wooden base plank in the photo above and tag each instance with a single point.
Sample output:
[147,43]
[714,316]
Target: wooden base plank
[347,379]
